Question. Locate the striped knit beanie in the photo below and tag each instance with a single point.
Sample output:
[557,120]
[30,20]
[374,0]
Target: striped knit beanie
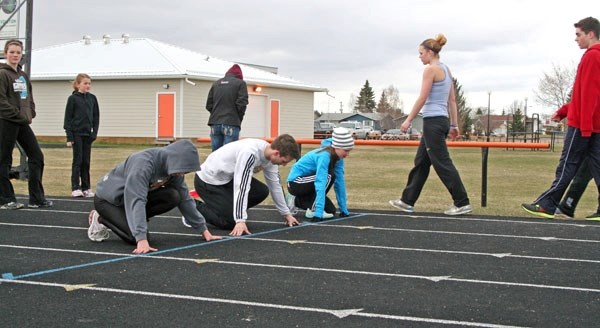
[342,139]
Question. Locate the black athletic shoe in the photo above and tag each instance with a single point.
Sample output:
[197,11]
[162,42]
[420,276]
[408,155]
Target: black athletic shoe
[537,210]
[593,217]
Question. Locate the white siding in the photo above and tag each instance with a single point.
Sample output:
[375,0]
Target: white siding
[295,111]
[128,107]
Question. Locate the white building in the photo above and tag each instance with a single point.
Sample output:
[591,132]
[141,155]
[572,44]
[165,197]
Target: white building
[153,90]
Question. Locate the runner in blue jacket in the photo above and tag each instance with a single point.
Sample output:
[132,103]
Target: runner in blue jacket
[313,175]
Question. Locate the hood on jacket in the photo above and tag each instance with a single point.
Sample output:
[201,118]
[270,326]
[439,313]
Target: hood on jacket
[327,142]
[6,66]
[236,71]
[181,157]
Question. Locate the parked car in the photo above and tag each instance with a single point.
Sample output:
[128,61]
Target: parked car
[358,132]
[395,134]
[322,130]
[374,134]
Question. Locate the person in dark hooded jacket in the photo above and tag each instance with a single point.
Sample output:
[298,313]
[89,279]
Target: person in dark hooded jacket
[82,118]
[17,110]
[146,184]
[227,101]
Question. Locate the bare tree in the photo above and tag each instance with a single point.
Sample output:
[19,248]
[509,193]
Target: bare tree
[351,101]
[555,87]
[393,99]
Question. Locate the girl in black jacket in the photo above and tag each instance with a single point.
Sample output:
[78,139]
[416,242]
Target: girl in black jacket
[17,110]
[82,117]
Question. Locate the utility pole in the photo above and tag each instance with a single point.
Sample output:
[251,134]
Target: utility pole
[28,36]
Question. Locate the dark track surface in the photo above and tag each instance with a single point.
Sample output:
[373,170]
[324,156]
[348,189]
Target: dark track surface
[373,269]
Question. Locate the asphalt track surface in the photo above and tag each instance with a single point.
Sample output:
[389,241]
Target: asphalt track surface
[372,269]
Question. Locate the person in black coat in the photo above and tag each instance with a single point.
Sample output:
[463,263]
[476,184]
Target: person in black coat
[227,101]
[82,118]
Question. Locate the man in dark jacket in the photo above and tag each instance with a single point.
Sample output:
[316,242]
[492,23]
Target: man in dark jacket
[227,101]
[146,184]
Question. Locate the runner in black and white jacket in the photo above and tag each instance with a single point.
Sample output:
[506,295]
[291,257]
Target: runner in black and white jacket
[227,187]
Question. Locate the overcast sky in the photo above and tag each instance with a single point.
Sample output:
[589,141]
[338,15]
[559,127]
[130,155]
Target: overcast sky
[498,46]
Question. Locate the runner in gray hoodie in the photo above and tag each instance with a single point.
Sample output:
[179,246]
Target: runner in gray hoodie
[146,184]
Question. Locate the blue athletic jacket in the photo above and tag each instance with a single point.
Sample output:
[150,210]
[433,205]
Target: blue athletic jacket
[316,162]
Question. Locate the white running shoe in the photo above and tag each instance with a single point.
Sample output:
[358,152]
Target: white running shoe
[459,210]
[399,204]
[77,193]
[310,214]
[88,193]
[290,202]
[97,231]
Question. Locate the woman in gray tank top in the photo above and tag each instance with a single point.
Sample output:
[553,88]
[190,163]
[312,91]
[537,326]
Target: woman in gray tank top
[438,103]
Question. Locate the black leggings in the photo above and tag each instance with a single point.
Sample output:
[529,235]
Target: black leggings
[217,204]
[159,201]
[304,190]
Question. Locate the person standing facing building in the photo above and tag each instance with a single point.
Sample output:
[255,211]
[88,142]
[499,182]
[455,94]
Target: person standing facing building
[17,110]
[227,101]
[583,122]
[82,118]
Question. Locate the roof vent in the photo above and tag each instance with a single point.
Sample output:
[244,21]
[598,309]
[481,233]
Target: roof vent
[106,38]
[87,39]
[125,37]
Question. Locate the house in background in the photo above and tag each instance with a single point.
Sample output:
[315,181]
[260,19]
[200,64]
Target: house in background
[416,126]
[374,120]
[151,90]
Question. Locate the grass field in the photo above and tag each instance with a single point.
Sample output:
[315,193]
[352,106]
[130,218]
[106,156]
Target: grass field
[374,175]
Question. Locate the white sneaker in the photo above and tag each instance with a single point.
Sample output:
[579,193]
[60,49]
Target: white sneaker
[459,210]
[97,231]
[185,222]
[290,202]
[310,214]
[88,193]
[77,193]
[399,204]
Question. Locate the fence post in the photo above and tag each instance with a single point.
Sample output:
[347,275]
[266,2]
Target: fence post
[484,161]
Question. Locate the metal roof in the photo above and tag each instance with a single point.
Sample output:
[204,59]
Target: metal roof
[142,58]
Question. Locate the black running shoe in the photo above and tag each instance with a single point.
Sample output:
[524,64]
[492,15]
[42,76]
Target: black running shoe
[537,210]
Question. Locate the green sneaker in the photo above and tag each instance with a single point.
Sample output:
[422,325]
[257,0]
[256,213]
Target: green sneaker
[537,210]
[593,217]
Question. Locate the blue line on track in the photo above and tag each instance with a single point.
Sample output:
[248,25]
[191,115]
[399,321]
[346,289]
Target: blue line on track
[10,276]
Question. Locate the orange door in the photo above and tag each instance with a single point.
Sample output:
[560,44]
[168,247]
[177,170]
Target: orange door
[274,118]
[166,115]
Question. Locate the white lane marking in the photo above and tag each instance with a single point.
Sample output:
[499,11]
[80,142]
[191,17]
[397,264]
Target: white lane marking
[378,247]
[341,313]
[534,221]
[352,227]
[328,270]
[546,238]
[498,255]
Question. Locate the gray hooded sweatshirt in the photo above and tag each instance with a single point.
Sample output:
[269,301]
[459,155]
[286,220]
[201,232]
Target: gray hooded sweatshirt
[129,182]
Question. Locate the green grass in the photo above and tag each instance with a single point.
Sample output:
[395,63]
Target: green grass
[374,175]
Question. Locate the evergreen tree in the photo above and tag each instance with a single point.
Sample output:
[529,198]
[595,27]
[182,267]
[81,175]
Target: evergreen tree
[464,113]
[365,103]
[517,124]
